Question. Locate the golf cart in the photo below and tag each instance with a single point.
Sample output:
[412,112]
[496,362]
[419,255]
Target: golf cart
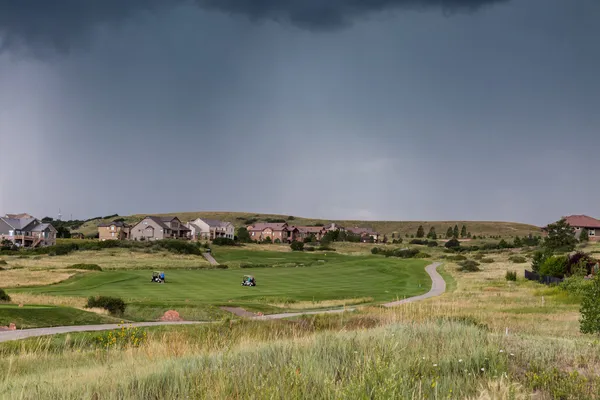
[158,277]
[248,281]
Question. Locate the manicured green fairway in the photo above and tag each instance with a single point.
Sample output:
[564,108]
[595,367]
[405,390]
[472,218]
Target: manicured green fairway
[336,277]
[35,316]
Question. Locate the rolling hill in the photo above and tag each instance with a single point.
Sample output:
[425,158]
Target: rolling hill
[402,228]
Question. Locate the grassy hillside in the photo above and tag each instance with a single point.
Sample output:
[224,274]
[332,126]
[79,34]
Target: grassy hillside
[32,316]
[487,228]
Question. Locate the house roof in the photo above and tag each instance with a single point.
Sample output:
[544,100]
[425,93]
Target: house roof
[115,223]
[261,226]
[42,227]
[19,216]
[310,229]
[583,221]
[214,223]
[157,220]
[18,223]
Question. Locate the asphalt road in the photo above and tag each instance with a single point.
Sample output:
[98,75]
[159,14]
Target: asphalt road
[438,287]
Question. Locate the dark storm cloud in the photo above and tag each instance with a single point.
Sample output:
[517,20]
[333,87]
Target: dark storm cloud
[62,23]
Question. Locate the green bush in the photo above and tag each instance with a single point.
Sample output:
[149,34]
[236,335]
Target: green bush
[432,243]
[277,241]
[478,256]
[487,260]
[511,276]
[554,266]
[517,259]
[222,241]
[88,267]
[4,296]
[422,255]
[452,243]
[539,257]
[178,246]
[576,285]
[114,305]
[469,266]
[590,308]
[309,248]
[297,246]
[458,257]
[325,248]
[374,250]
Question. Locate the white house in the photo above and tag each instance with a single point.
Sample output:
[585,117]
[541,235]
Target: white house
[209,229]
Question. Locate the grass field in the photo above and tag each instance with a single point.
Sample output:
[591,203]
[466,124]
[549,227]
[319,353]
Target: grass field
[337,278]
[30,316]
[487,228]
[485,338]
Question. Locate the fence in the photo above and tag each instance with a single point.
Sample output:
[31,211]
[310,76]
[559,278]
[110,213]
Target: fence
[534,276]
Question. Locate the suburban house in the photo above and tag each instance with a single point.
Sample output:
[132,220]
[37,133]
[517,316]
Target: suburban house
[334,227]
[275,231]
[210,229]
[158,228]
[365,233]
[580,222]
[304,232]
[23,230]
[115,230]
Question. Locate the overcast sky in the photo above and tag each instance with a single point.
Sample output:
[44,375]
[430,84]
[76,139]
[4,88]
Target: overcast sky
[383,109]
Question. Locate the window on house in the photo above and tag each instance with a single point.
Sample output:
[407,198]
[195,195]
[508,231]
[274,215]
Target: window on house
[592,232]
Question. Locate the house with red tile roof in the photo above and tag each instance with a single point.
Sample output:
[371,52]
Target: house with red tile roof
[581,222]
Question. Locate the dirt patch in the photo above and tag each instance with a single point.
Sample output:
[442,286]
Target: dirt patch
[10,327]
[171,315]
[240,312]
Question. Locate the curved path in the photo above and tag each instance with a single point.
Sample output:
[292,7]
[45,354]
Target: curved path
[438,286]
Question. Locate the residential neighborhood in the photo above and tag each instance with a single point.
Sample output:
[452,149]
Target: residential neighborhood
[210,229]
[284,233]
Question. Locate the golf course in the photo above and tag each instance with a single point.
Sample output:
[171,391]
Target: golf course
[304,278]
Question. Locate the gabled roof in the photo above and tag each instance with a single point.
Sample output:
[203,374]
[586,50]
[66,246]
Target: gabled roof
[310,229]
[120,224]
[157,220]
[261,226]
[583,221]
[19,216]
[213,223]
[43,227]
[18,223]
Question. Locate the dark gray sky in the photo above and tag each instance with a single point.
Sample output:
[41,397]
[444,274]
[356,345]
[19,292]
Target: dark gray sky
[385,109]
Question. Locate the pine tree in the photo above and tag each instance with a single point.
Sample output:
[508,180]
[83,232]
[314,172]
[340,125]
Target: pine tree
[432,234]
[449,233]
[584,236]
[518,242]
[455,232]
[420,231]
[463,232]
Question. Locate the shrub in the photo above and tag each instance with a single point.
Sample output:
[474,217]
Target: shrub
[223,241]
[576,285]
[590,308]
[114,305]
[452,243]
[432,243]
[478,256]
[422,255]
[405,253]
[469,266]
[487,260]
[517,259]
[4,296]
[88,267]
[177,246]
[539,257]
[122,338]
[309,248]
[2,262]
[511,276]
[277,241]
[374,250]
[297,246]
[458,257]
[325,248]
[554,266]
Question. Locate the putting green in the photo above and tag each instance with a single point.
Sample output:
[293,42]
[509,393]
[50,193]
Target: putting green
[340,277]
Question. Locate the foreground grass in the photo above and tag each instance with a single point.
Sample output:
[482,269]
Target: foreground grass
[35,316]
